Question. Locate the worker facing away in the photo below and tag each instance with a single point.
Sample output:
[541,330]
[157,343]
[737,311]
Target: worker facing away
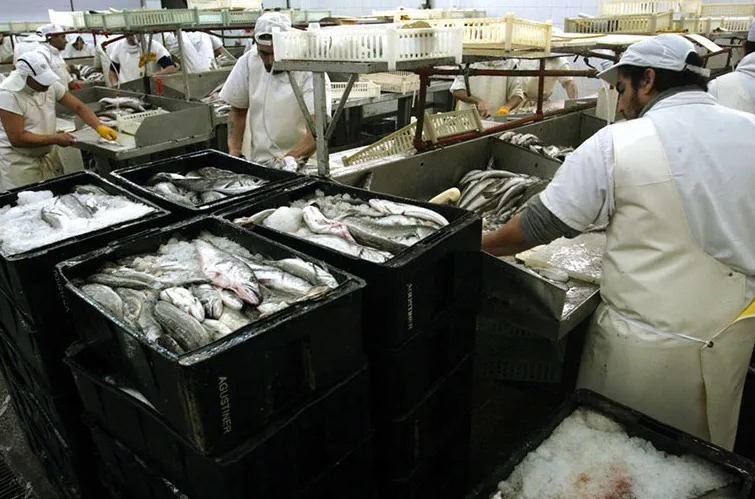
[77,47]
[264,104]
[6,49]
[530,83]
[737,89]
[199,50]
[27,122]
[673,334]
[129,62]
[491,95]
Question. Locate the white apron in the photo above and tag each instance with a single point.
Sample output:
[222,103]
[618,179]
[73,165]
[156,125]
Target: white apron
[493,89]
[733,94]
[670,338]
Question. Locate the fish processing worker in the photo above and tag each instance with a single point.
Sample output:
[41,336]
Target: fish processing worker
[77,47]
[199,50]
[737,89]
[27,122]
[129,63]
[492,95]
[263,101]
[675,329]
[55,42]
[6,49]
[531,83]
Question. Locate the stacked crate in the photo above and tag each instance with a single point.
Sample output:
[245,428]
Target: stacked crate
[277,409]
[419,327]
[35,329]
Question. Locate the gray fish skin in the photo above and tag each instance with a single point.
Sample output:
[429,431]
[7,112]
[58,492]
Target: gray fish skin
[167,342]
[211,299]
[170,192]
[272,307]
[306,270]
[211,196]
[130,102]
[231,300]
[125,278]
[277,279]
[234,319]
[228,272]
[367,235]
[255,219]
[105,296]
[320,224]
[146,319]
[133,300]
[216,328]
[238,185]
[391,208]
[90,189]
[182,327]
[65,208]
[338,244]
[184,300]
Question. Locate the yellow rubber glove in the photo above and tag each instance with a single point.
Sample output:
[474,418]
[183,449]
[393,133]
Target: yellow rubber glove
[106,132]
[144,58]
[503,110]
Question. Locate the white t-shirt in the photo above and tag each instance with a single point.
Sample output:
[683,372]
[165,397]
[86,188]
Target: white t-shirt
[198,50]
[530,83]
[744,76]
[55,61]
[127,56]
[70,52]
[710,151]
[274,118]
[495,90]
[37,108]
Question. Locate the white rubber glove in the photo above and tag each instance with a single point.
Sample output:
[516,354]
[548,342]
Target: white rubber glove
[289,164]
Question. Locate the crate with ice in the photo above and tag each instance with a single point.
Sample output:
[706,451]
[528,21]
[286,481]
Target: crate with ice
[221,329]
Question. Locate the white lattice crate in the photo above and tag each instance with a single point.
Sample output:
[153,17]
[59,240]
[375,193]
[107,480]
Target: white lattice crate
[130,123]
[397,81]
[727,9]
[731,24]
[453,123]
[24,26]
[383,43]
[507,33]
[359,90]
[143,18]
[62,18]
[308,16]
[105,20]
[630,24]
[224,4]
[241,17]
[699,25]
[626,7]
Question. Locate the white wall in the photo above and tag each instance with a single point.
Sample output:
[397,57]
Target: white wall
[36,10]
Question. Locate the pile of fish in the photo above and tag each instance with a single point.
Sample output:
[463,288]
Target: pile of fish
[374,230]
[219,106]
[40,218]
[191,293]
[87,73]
[534,144]
[203,185]
[112,107]
[496,195]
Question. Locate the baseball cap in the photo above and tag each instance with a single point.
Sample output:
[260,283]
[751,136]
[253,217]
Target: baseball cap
[269,22]
[659,52]
[35,65]
[50,29]
[751,33]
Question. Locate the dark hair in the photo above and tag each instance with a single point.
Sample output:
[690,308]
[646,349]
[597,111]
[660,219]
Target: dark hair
[665,78]
[749,47]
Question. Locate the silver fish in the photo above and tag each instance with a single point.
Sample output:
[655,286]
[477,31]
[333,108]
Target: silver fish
[233,319]
[228,272]
[255,219]
[306,270]
[64,209]
[320,224]
[170,192]
[124,277]
[105,296]
[210,298]
[184,300]
[90,189]
[147,320]
[338,244]
[211,196]
[216,328]
[182,327]
[167,342]
[270,308]
[390,208]
[283,282]
[133,300]
[238,184]
[230,299]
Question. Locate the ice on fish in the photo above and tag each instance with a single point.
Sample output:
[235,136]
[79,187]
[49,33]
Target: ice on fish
[590,455]
[40,218]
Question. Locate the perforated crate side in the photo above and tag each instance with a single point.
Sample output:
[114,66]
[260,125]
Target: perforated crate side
[399,141]
[727,9]
[396,81]
[160,17]
[72,19]
[640,23]
[626,7]
[732,24]
[360,90]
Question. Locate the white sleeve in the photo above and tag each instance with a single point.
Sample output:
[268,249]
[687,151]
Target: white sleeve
[171,43]
[307,84]
[113,53]
[236,88]
[458,84]
[564,66]
[216,42]
[8,102]
[581,193]
[159,50]
[713,88]
[59,90]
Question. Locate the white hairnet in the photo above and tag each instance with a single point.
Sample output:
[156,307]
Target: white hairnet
[267,23]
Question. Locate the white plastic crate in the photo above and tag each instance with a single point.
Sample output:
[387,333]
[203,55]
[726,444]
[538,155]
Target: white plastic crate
[360,90]
[24,26]
[160,17]
[308,16]
[731,24]
[109,20]
[130,123]
[72,19]
[453,123]
[241,17]
[507,33]
[634,24]
[211,17]
[699,25]
[727,9]
[224,4]
[379,44]
[4,27]
[398,81]
[627,7]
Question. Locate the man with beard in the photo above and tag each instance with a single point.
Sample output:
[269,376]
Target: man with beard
[675,330]
[264,105]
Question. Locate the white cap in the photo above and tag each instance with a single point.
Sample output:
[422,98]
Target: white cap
[751,33]
[659,52]
[269,22]
[50,29]
[35,65]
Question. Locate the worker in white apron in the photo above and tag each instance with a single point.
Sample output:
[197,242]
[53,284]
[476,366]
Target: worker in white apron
[491,95]
[674,333]
[198,51]
[27,122]
[55,42]
[130,62]
[737,89]
[264,106]
[531,83]
[6,49]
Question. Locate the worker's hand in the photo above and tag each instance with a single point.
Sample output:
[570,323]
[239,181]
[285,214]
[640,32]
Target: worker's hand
[74,85]
[289,164]
[502,111]
[145,58]
[236,153]
[106,132]
[482,108]
[63,139]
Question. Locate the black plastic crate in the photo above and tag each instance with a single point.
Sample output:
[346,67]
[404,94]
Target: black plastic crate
[286,456]
[401,377]
[636,424]
[352,477]
[134,178]
[218,395]
[442,475]
[403,444]
[29,277]
[406,292]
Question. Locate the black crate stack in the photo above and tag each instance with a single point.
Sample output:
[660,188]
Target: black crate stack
[35,330]
[420,313]
[278,409]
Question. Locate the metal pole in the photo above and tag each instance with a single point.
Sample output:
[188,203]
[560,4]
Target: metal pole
[184,68]
[540,88]
[321,119]
[424,81]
